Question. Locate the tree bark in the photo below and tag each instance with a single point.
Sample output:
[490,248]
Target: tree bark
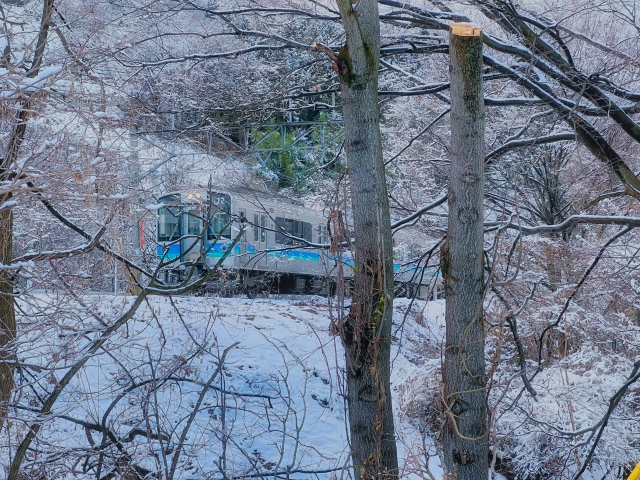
[465,433]
[366,332]
[7,315]
[7,308]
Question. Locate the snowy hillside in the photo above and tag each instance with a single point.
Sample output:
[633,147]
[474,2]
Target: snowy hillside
[193,388]
[199,386]
[117,115]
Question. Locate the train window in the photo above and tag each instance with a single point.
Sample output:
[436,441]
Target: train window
[281,227]
[323,234]
[219,226]
[255,227]
[263,232]
[294,228]
[219,216]
[169,221]
[193,222]
[307,231]
[243,223]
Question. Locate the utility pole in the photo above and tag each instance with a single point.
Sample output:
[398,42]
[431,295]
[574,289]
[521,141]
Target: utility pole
[134,183]
[465,396]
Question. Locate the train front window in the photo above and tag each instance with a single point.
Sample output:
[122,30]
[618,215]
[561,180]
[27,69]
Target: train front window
[219,216]
[219,226]
[193,222]
[169,219]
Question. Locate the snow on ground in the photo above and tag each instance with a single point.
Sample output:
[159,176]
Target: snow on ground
[204,385]
[275,406]
[252,388]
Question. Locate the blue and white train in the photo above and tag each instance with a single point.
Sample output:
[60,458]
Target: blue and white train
[257,242]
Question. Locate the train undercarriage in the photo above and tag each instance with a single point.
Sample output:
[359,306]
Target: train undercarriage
[252,283]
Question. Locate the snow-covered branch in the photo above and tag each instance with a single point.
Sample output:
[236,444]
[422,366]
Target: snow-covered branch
[631,222]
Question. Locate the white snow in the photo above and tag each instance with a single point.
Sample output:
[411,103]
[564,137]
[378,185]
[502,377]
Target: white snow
[277,405]
[154,207]
[283,410]
[8,204]
[30,85]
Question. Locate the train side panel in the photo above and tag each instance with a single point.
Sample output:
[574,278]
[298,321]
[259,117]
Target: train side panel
[267,247]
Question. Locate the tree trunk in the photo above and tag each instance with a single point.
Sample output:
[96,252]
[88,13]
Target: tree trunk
[7,315]
[7,308]
[366,333]
[465,433]
[554,262]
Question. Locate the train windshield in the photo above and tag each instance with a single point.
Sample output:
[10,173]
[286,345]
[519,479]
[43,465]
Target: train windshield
[169,219]
[194,222]
[219,216]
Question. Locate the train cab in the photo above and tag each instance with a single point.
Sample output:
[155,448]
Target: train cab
[193,228]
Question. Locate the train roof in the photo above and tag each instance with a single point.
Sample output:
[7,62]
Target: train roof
[251,192]
[244,192]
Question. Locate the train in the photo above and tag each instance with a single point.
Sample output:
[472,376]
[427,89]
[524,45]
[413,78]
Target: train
[256,242]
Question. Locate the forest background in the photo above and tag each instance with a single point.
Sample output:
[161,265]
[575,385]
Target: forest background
[107,105]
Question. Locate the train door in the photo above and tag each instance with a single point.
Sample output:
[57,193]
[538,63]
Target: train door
[323,257]
[263,244]
[190,243]
[260,239]
[242,212]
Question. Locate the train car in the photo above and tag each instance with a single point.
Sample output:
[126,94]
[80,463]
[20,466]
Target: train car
[412,278]
[256,242]
[276,240]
